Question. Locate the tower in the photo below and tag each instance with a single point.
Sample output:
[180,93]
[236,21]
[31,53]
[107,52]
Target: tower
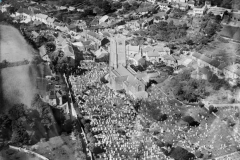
[117,51]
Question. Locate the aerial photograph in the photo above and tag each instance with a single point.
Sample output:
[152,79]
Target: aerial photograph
[119,79]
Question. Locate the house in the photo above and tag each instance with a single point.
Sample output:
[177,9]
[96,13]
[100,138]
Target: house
[199,11]
[4,7]
[163,6]
[37,23]
[68,51]
[217,10]
[43,53]
[63,8]
[121,76]
[50,21]
[152,1]
[70,8]
[104,19]
[79,45]
[27,14]
[80,24]
[88,56]
[131,51]
[169,60]
[97,38]
[156,53]
[177,1]
[159,17]
[94,22]
[191,4]
[133,25]
[215,66]
[101,52]
[232,72]
[208,4]
[202,73]
[230,33]
[34,35]
[41,17]
[183,6]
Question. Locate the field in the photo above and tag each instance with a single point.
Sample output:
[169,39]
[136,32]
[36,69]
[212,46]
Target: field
[16,82]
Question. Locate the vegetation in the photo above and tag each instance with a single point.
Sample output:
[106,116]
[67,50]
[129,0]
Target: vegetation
[164,31]
[187,89]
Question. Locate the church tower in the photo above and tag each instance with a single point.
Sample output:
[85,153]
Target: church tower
[117,51]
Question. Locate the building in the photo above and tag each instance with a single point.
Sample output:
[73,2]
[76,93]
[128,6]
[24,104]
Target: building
[215,66]
[152,1]
[199,11]
[4,7]
[50,21]
[132,50]
[101,52]
[230,33]
[232,72]
[121,76]
[133,25]
[104,19]
[43,53]
[41,17]
[217,10]
[163,6]
[191,4]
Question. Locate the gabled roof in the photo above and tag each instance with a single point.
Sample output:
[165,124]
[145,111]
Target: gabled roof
[133,48]
[35,34]
[26,11]
[94,35]
[104,18]
[169,57]
[42,51]
[68,51]
[234,69]
[153,53]
[94,22]
[147,49]
[215,63]
[101,53]
[228,31]
[42,16]
[36,22]
[50,19]
[20,10]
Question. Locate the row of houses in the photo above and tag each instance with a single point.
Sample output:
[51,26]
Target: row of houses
[220,69]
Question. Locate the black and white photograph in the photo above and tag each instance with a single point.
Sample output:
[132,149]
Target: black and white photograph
[119,79]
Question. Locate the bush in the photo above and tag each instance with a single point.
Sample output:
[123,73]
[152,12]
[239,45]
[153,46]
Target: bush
[212,109]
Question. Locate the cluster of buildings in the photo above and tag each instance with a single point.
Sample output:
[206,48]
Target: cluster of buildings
[113,36]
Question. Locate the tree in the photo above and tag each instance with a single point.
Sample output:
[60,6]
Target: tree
[212,109]
[162,117]
[98,11]
[116,5]
[180,153]
[50,47]
[16,111]
[126,6]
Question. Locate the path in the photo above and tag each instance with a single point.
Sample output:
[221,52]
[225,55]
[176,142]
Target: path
[28,152]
